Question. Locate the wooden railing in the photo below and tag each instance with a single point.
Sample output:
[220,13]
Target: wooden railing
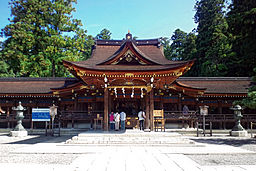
[192,117]
[79,115]
[210,117]
[173,115]
[12,117]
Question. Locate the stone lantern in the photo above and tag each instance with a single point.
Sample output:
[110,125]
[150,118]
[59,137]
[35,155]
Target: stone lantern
[53,113]
[238,130]
[19,130]
[204,112]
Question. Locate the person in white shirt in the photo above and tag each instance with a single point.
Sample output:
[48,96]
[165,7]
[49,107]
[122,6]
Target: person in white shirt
[117,121]
[141,116]
[123,118]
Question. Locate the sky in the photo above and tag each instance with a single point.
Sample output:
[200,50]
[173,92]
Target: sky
[144,18]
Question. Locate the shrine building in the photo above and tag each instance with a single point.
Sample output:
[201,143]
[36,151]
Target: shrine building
[125,75]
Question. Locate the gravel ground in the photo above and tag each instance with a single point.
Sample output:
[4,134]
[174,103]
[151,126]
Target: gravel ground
[227,159]
[9,144]
[224,159]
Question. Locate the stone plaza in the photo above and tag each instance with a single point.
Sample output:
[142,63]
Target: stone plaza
[130,150]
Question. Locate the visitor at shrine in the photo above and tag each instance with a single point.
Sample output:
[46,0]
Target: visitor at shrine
[117,121]
[123,118]
[112,121]
[185,110]
[1,111]
[141,116]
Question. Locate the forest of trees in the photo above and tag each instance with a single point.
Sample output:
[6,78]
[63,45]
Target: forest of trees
[42,33]
[224,42]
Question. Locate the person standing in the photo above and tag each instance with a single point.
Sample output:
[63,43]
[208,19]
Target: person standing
[141,116]
[112,121]
[123,118]
[185,110]
[117,121]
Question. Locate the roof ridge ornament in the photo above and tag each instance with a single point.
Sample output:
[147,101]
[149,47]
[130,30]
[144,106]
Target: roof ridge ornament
[128,36]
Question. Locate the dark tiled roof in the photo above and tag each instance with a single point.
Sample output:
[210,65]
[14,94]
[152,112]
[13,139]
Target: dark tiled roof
[155,42]
[32,85]
[105,49]
[44,85]
[218,84]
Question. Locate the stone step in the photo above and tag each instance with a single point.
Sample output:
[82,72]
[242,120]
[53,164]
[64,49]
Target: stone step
[131,138]
[77,138]
[151,134]
[128,143]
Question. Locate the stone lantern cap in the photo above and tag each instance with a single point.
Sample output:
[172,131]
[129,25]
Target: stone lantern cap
[19,107]
[236,108]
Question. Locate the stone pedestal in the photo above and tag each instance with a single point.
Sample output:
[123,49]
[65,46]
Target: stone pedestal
[19,133]
[239,133]
[146,130]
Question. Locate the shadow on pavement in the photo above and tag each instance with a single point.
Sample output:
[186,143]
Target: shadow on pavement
[227,141]
[42,139]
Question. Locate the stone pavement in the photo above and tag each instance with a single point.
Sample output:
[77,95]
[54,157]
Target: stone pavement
[173,154]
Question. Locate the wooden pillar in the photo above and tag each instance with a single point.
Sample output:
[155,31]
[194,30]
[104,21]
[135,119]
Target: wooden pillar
[76,103]
[110,104]
[161,102]
[151,108]
[74,109]
[106,98]
[30,114]
[147,111]
[179,103]
[8,116]
[142,103]
[220,112]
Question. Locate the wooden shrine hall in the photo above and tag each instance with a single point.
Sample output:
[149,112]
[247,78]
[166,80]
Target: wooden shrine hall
[124,75]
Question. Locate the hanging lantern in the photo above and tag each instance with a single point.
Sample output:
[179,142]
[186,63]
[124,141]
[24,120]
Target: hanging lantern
[132,95]
[141,95]
[123,91]
[151,81]
[115,92]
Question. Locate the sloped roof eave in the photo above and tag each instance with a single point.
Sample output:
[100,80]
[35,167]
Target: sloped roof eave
[121,49]
[143,68]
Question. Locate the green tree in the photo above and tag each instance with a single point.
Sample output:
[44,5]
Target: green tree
[189,47]
[190,51]
[104,34]
[178,42]
[40,35]
[165,43]
[250,101]
[183,46]
[242,23]
[212,43]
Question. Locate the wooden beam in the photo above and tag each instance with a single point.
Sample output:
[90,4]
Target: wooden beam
[106,100]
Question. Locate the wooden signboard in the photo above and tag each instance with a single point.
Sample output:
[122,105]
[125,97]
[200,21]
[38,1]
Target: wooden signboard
[158,113]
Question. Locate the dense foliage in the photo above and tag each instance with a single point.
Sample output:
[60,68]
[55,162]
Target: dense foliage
[242,25]
[250,101]
[223,43]
[212,41]
[40,35]
[104,34]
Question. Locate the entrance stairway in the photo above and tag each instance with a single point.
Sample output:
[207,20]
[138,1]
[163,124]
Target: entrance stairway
[130,137]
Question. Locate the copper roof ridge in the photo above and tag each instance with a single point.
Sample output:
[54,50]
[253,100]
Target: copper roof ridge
[187,86]
[37,78]
[215,78]
[68,86]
